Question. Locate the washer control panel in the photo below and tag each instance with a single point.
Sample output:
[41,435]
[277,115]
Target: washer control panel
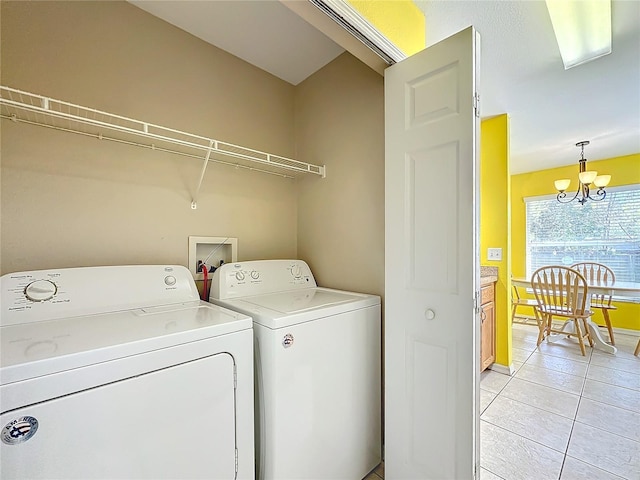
[49,294]
[241,279]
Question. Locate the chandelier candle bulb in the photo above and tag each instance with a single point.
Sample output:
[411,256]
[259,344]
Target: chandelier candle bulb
[586,178]
[602,181]
[562,185]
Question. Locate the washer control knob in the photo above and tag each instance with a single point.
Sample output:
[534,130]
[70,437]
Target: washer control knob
[40,290]
[296,271]
[170,280]
[255,274]
[239,276]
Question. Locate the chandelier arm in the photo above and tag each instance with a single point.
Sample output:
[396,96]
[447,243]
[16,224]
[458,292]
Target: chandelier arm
[562,196]
[601,193]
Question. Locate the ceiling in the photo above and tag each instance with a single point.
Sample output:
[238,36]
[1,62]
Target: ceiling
[550,109]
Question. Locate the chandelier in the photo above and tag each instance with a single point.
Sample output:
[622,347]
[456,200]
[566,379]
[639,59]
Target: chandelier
[585,179]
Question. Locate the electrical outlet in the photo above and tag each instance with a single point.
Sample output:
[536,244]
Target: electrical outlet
[494,254]
[212,250]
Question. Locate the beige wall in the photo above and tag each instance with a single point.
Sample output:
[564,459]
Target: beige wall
[340,122]
[71,201]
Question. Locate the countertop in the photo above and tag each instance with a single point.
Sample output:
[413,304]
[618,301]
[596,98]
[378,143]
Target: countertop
[488,275]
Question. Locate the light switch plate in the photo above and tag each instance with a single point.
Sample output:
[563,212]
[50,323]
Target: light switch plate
[494,254]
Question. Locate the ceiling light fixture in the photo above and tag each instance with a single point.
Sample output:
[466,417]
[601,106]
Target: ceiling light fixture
[582,28]
[585,178]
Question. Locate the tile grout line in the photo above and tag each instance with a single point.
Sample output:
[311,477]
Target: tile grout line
[573,424]
[547,386]
[637,412]
[595,466]
[608,432]
[613,384]
[599,467]
[575,415]
[611,404]
[527,438]
[575,420]
[492,472]
[581,394]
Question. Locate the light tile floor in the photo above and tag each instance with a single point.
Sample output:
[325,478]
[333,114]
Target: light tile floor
[377,474]
[562,415]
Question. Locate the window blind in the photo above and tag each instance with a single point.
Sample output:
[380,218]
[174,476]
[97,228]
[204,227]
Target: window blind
[605,232]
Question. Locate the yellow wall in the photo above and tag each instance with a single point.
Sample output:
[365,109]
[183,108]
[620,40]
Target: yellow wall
[494,221]
[401,21]
[624,171]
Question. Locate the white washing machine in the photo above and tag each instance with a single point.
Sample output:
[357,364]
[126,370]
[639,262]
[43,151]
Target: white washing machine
[122,373]
[318,370]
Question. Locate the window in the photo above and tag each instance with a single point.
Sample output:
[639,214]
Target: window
[605,232]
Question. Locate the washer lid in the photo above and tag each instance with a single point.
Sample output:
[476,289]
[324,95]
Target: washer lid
[282,309]
[301,300]
[42,348]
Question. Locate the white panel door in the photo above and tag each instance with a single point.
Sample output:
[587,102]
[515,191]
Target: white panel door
[432,262]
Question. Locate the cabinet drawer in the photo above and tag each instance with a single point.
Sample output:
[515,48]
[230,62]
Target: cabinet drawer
[486,294]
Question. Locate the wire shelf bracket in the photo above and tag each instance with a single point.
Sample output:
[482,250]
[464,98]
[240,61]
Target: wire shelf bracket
[24,107]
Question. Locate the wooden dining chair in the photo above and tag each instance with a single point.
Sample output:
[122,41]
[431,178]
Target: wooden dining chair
[562,292]
[598,274]
[519,302]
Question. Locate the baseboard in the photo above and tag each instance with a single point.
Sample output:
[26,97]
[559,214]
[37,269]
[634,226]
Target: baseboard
[622,331]
[504,369]
[525,320]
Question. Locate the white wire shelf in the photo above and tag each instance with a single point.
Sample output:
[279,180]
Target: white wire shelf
[33,109]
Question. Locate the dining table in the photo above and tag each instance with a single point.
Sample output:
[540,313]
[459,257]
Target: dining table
[624,290]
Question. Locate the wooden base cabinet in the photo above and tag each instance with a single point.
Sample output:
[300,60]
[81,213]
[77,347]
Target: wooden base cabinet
[487,326]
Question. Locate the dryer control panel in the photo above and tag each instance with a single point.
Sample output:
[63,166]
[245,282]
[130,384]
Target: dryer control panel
[50,294]
[243,279]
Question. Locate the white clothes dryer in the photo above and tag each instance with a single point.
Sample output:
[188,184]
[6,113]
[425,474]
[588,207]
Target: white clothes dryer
[122,373]
[318,370]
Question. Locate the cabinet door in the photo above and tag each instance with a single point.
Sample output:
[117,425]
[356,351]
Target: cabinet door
[488,335]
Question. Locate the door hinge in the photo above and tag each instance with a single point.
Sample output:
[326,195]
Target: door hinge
[476,104]
[476,301]
[236,462]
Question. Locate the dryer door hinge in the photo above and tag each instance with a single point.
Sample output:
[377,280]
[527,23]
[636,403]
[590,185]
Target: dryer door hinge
[476,104]
[235,376]
[236,462]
